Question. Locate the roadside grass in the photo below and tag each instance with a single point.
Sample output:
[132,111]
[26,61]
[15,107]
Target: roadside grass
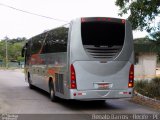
[149,93]
[149,88]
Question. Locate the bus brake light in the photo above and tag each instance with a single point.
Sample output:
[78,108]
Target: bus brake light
[72,77]
[131,77]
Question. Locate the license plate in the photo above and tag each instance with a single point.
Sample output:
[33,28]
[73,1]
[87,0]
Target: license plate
[102,85]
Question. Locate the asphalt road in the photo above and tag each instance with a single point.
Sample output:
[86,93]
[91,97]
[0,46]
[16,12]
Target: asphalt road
[17,98]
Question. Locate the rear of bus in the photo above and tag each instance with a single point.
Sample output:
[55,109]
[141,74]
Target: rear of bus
[101,59]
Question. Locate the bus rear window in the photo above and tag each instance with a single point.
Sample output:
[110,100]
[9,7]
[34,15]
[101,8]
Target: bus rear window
[100,33]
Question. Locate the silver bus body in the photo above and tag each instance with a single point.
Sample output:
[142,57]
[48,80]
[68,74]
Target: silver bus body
[87,70]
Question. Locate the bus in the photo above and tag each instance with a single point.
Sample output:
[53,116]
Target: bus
[90,58]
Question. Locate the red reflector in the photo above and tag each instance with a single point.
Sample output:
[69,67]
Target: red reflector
[79,93]
[74,94]
[125,92]
[72,77]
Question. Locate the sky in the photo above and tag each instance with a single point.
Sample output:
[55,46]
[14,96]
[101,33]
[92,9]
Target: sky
[15,24]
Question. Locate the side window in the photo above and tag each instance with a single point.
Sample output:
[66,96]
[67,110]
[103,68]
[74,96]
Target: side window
[37,42]
[56,40]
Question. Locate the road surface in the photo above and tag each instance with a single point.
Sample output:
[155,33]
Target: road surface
[17,98]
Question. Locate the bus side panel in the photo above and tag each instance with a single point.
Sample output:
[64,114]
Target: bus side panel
[55,67]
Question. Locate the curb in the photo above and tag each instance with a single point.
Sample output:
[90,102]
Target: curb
[144,100]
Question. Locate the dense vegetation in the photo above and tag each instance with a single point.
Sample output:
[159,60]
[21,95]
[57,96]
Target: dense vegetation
[14,47]
[142,13]
[149,88]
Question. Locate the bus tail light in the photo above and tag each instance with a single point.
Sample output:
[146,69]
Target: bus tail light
[131,77]
[72,77]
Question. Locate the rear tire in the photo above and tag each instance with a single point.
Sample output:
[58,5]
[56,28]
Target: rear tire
[52,92]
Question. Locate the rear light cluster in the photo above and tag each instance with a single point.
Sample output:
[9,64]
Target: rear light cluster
[131,77]
[72,77]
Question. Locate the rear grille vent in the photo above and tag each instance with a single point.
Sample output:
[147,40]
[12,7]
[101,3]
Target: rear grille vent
[103,52]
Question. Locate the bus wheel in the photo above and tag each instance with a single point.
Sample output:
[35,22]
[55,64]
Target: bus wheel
[52,92]
[29,82]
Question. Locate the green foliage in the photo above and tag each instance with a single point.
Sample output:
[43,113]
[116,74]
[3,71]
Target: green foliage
[144,40]
[2,50]
[156,37]
[156,80]
[14,47]
[149,88]
[140,85]
[146,45]
[143,12]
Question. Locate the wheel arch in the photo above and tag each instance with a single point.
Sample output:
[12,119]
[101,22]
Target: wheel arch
[50,80]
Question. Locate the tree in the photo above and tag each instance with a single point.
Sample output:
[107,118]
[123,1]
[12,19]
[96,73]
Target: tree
[2,50]
[144,40]
[142,12]
[156,37]
[14,49]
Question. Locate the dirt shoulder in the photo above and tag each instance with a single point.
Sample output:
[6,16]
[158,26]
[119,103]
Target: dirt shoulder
[143,100]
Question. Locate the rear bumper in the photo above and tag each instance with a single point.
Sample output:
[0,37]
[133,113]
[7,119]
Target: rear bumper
[100,94]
